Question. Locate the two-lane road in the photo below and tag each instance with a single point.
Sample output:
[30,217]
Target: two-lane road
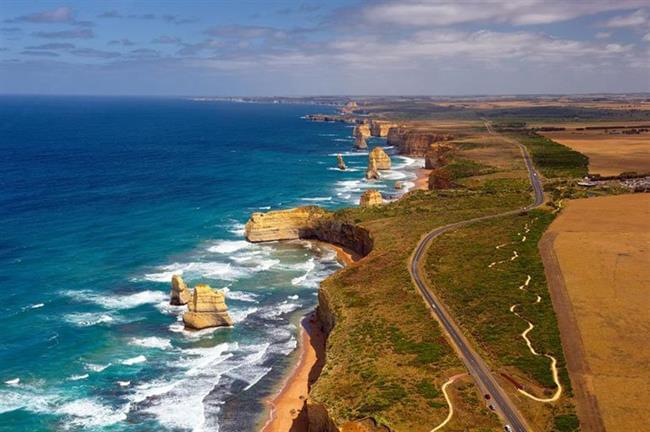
[474,363]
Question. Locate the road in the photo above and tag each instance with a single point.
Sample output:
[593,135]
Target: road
[479,370]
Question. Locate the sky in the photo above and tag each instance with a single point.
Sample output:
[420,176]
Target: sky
[333,47]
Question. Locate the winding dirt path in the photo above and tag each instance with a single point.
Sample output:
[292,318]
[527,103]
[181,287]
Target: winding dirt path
[449,382]
[531,326]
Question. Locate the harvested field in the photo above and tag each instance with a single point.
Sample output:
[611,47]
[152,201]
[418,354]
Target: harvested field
[609,154]
[597,260]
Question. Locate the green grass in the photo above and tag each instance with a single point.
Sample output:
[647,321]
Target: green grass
[566,423]
[553,159]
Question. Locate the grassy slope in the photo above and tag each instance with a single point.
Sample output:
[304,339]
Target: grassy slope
[480,298]
[553,159]
[387,357]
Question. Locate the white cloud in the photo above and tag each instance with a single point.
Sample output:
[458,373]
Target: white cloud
[603,35]
[647,37]
[636,19]
[519,12]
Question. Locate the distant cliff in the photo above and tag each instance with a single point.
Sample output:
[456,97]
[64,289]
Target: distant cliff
[414,142]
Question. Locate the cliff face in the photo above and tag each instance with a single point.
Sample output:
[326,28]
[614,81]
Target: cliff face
[414,142]
[309,222]
[379,128]
[436,157]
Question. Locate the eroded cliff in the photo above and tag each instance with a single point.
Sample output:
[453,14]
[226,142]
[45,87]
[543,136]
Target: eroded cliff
[415,142]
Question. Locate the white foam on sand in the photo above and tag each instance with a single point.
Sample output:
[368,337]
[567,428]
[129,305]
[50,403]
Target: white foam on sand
[134,360]
[152,342]
[228,246]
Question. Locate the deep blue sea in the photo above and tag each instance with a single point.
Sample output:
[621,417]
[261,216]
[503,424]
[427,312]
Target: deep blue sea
[102,200]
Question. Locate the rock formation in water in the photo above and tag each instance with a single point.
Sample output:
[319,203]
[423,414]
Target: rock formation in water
[362,130]
[207,308]
[380,128]
[436,156]
[360,142]
[180,294]
[370,198]
[340,162]
[398,185]
[381,159]
[309,222]
[414,142]
[371,172]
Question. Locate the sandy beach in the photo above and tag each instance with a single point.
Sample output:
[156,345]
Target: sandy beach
[422,179]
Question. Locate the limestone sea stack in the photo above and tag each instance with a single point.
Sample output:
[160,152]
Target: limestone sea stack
[360,142]
[370,198]
[362,130]
[398,185]
[340,162]
[382,160]
[371,172]
[180,294]
[207,308]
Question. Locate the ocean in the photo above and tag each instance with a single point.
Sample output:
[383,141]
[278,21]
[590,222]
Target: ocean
[102,200]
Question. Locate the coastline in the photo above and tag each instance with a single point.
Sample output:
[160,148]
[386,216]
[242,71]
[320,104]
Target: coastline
[287,404]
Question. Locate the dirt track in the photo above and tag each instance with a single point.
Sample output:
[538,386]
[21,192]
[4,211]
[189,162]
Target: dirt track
[597,262]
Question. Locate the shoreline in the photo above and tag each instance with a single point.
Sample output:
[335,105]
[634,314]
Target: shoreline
[287,404]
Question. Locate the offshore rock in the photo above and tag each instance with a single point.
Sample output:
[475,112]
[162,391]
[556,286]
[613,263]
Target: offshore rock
[308,222]
[370,198]
[207,309]
[180,294]
[360,142]
[379,128]
[371,172]
[340,162]
[361,130]
[398,185]
[381,159]
[414,142]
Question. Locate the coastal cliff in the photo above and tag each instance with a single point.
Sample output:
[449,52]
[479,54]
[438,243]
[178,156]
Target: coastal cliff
[308,222]
[379,128]
[413,142]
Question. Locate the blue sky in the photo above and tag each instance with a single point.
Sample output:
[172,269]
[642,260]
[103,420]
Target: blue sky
[229,48]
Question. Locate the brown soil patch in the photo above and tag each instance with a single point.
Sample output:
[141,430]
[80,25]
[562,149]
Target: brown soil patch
[597,260]
[609,154]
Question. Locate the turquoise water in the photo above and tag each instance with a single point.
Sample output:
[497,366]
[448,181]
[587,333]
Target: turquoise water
[102,200]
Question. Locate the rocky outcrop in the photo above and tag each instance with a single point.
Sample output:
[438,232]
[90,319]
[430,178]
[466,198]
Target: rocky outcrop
[207,308]
[399,185]
[340,162]
[309,222]
[437,156]
[180,294]
[371,172]
[362,130]
[415,142]
[370,198]
[381,159]
[439,178]
[380,128]
[360,142]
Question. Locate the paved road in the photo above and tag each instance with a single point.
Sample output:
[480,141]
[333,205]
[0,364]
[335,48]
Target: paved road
[474,363]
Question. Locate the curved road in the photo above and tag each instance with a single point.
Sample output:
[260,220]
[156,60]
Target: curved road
[474,363]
